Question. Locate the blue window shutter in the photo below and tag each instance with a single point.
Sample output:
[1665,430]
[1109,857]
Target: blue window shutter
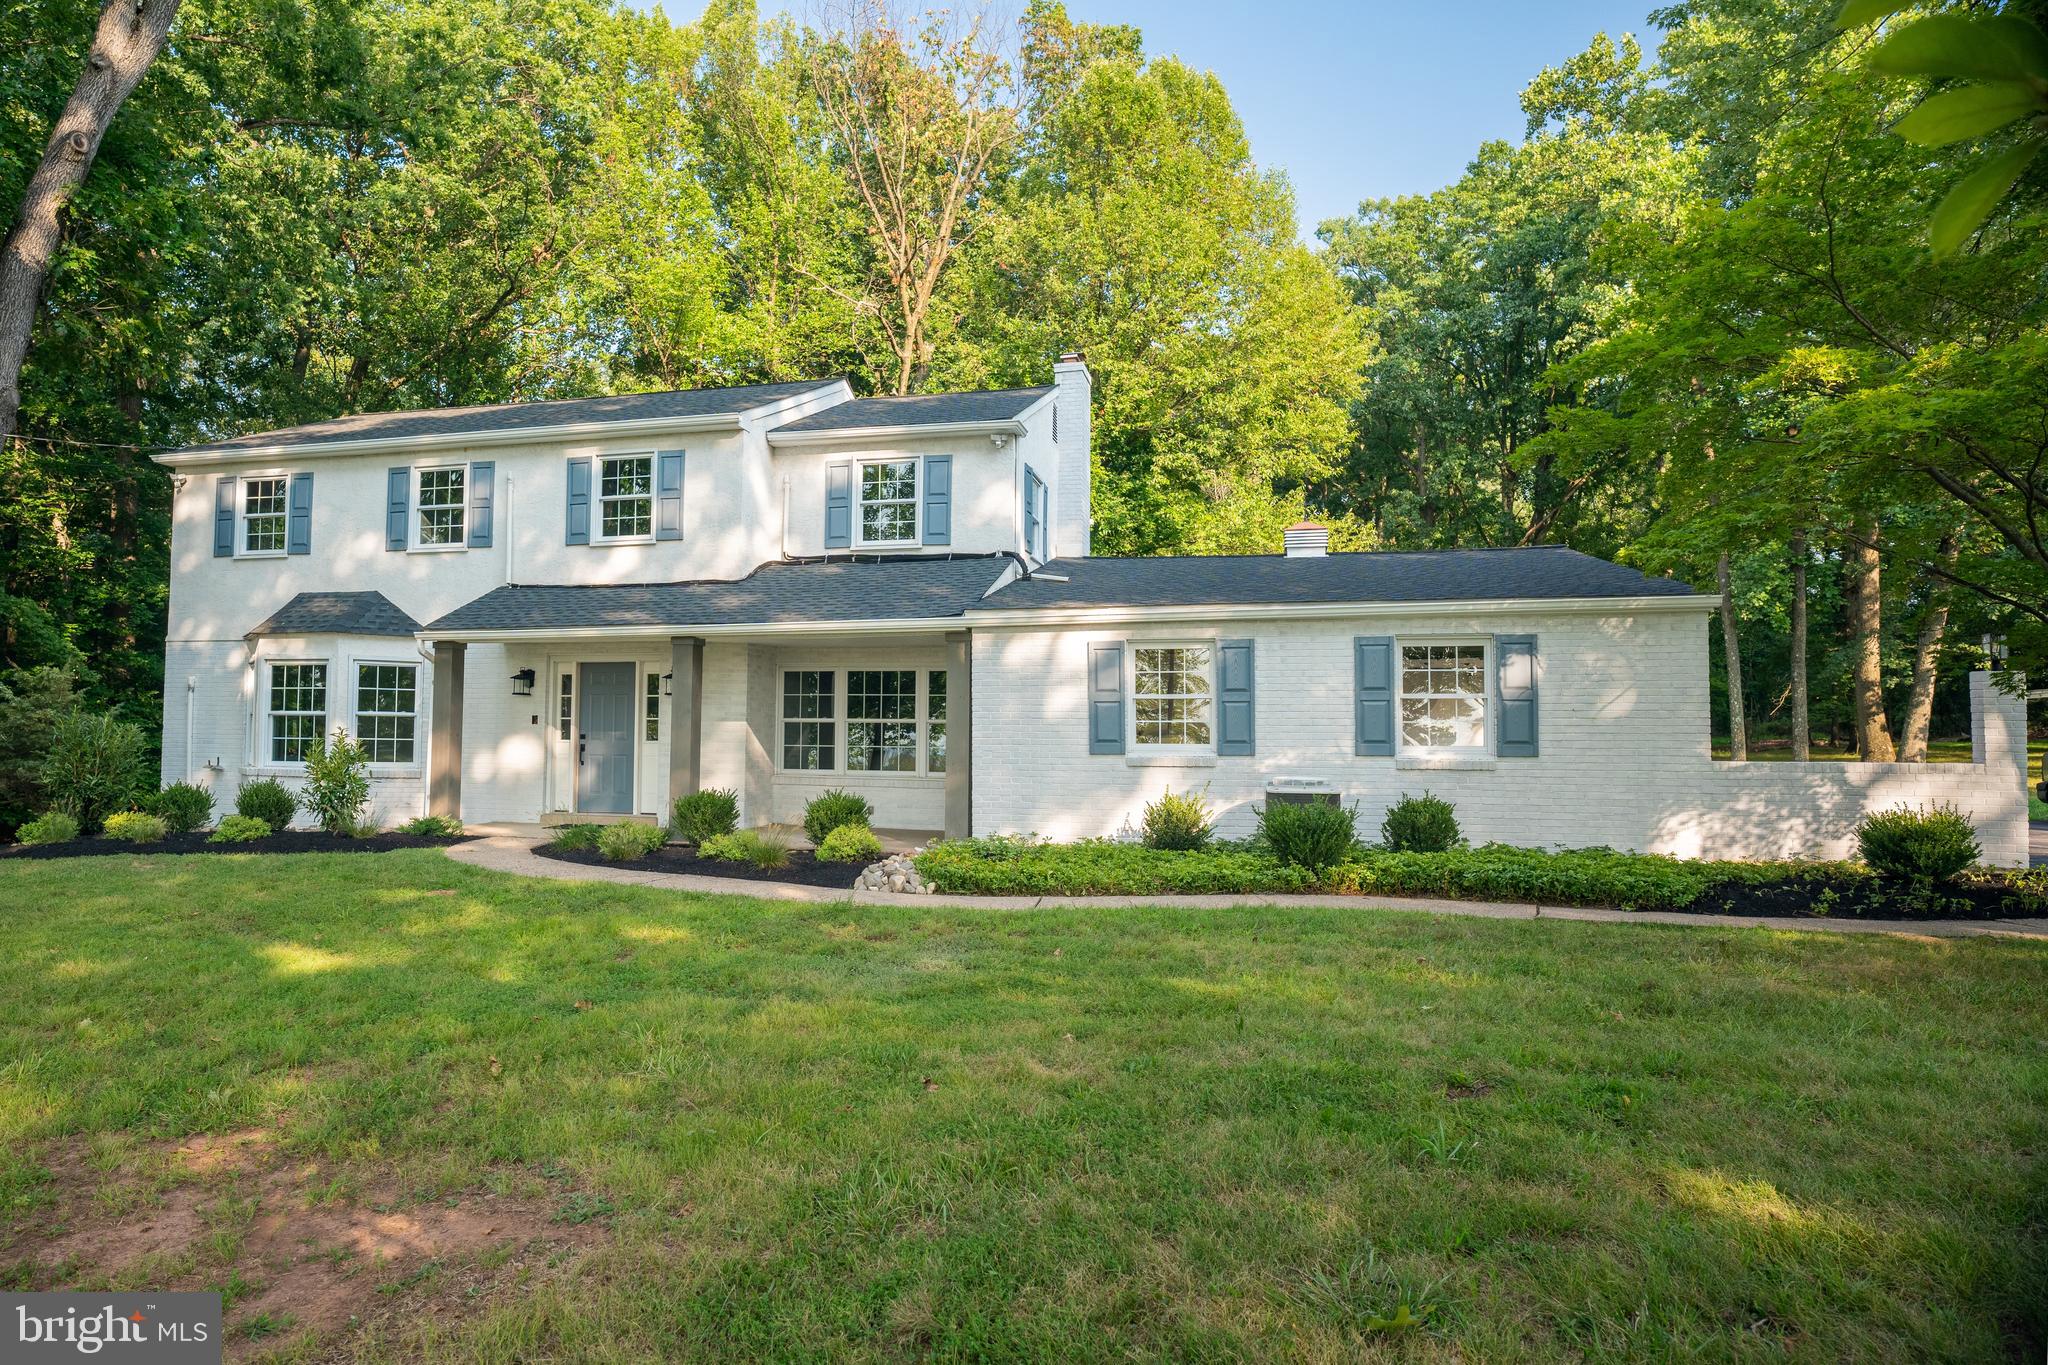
[938,499]
[397,506]
[1236,698]
[1375,686]
[224,489]
[839,507]
[298,522]
[668,503]
[579,502]
[481,497]
[1514,664]
[1106,698]
[1031,522]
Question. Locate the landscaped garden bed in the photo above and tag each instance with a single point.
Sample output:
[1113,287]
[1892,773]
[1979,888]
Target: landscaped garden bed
[288,841]
[802,869]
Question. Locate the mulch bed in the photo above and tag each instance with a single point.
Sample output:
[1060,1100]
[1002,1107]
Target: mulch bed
[803,869]
[291,841]
[1821,896]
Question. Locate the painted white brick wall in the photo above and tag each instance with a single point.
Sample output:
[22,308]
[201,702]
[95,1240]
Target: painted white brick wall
[1624,746]
[1072,522]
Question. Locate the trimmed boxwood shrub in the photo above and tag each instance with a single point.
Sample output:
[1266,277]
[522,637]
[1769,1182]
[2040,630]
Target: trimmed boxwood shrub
[239,829]
[182,806]
[1019,867]
[1178,821]
[1421,824]
[829,810]
[750,846]
[703,815]
[1313,835]
[268,800]
[1930,845]
[850,844]
[630,839]
[136,826]
[51,827]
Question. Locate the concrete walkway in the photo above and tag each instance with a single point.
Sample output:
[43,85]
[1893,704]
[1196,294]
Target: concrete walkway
[514,854]
[2037,843]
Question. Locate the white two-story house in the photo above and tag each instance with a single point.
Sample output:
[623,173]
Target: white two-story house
[545,612]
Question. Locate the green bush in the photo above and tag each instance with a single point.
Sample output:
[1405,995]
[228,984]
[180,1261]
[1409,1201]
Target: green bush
[94,767]
[32,701]
[240,829]
[1421,824]
[1583,876]
[1178,822]
[1020,867]
[433,827]
[1314,835]
[749,846]
[136,826]
[51,827]
[705,814]
[830,809]
[629,839]
[337,786]
[575,838]
[1930,845]
[268,800]
[182,806]
[850,844]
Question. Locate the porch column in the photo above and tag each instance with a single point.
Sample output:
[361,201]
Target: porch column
[444,766]
[685,715]
[959,735]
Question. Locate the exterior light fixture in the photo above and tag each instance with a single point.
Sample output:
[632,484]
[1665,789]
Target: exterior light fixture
[522,683]
[668,684]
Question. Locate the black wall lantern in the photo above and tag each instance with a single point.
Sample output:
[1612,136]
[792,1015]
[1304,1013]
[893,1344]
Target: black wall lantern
[522,683]
[668,684]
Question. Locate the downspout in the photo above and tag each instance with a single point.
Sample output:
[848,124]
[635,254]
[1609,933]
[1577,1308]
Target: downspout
[505,529]
[784,546]
[191,703]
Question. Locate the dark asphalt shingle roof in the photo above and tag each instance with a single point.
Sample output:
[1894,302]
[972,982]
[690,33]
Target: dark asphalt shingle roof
[338,613]
[1377,576]
[627,407]
[930,409]
[776,593]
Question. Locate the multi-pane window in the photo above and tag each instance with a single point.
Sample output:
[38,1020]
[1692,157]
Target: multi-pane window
[386,706]
[1037,510]
[625,497]
[881,720]
[441,496]
[888,502]
[935,722]
[263,516]
[810,738]
[1443,696]
[565,716]
[298,710]
[1172,695]
[652,706]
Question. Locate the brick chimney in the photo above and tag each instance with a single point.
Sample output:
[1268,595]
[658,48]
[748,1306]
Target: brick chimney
[1305,540]
[1072,433]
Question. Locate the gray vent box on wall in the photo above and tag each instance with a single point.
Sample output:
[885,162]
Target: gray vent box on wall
[1300,791]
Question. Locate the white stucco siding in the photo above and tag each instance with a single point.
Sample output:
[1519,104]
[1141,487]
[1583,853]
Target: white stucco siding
[1624,758]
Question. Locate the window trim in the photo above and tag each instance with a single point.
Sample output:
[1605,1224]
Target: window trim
[921,723]
[1139,748]
[416,543]
[650,709]
[783,720]
[598,499]
[356,713]
[1487,726]
[917,487]
[266,736]
[284,515]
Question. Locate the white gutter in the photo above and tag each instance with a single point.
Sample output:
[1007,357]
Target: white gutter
[898,432]
[908,626]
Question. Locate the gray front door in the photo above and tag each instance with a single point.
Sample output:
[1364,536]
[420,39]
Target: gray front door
[604,740]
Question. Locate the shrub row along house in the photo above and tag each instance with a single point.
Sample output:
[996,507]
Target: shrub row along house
[533,612]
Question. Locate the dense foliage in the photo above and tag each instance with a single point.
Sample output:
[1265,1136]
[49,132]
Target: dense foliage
[1930,845]
[1020,867]
[183,806]
[1178,820]
[94,767]
[239,829]
[136,827]
[850,844]
[268,800]
[752,846]
[1312,835]
[337,789]
[828,810]
[629,839]
[1421,824]
[51,827]
[703,814]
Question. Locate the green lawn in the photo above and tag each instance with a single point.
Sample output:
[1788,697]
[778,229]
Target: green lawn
[815,1132]
[1938,751]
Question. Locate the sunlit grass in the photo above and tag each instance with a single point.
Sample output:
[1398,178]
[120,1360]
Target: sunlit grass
[835,1131]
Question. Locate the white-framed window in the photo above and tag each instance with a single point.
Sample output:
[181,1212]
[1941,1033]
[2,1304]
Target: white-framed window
[810,732]
[881,720]
[1173,695]
[565,715]
[297,710]
[1037,516]
[651,707]
[262,531]
[886,506]
[625,497]
[935,721]
[441,500]
[387,710]
[1442,695]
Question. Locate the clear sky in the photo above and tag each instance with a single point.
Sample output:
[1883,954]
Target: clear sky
[1364,99]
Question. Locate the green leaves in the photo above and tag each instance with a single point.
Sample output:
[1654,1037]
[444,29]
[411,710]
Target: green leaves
[1971,111]
[1857,13]
[1994,47]
[1963,210]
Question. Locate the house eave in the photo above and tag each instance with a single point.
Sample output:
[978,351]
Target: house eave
[1303,611]
[1013,426]
[917,625]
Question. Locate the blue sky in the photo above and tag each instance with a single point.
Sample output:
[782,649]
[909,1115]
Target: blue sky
[1361,100]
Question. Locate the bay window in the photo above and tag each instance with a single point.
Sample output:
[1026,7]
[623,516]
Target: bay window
[297,710]
[387,709]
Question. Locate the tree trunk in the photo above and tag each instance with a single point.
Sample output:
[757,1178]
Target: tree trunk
[130,34]
[1863,588]
[1926,659]
[1802,741]
[1738,730]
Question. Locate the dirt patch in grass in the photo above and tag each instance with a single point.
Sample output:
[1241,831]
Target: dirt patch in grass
[290,841]
[801,870]
[295,1246]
